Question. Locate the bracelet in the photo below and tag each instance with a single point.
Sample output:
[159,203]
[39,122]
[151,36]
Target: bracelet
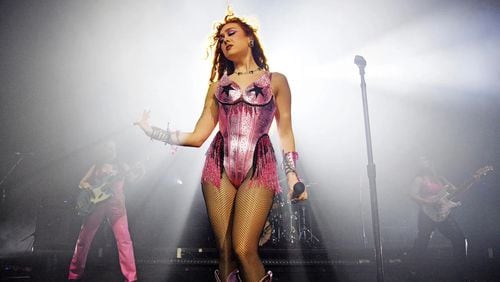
[290,162]
[161,135]
[177,138]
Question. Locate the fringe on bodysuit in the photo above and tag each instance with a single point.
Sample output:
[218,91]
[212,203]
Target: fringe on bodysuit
[264,166]
[214,163]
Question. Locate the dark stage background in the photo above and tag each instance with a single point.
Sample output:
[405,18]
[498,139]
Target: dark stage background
[76,73]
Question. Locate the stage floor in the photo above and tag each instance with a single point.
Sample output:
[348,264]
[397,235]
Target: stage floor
[192,264]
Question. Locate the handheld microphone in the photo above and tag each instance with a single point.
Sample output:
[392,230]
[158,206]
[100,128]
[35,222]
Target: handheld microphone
[298,188]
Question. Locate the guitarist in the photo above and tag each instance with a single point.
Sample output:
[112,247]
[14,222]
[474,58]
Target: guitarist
[425,190]
[107,169]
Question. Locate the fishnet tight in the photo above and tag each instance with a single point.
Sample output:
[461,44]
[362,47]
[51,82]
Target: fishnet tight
[237,217]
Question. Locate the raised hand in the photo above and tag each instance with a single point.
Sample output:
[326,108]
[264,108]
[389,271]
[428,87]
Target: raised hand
[143,122]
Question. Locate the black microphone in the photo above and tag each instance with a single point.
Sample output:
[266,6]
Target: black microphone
[298,188]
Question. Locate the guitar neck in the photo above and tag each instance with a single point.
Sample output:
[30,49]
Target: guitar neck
[462,188]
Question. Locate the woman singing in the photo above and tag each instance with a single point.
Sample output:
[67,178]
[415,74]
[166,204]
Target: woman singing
[239,177]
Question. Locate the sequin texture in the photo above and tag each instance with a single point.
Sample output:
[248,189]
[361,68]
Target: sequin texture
[245,116]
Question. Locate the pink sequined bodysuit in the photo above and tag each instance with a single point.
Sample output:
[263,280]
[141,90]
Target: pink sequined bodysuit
[242,144]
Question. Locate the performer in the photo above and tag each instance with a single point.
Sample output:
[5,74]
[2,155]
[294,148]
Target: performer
[239,177]
[108,169]
[425,190]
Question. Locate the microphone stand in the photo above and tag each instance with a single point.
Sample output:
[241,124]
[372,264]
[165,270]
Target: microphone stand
[361,63]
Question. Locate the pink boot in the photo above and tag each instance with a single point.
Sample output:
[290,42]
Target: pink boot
[268,277]
[232,277]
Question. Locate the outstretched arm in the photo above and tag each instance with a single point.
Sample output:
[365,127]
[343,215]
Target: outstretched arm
[204,127]
[284,123]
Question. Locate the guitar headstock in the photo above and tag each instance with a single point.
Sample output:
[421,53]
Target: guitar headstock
[483,171]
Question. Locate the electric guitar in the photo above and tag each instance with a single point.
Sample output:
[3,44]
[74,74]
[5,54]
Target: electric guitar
[440,210]
[88,199]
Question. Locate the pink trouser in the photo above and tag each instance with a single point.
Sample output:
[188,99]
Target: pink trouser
[114,210]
